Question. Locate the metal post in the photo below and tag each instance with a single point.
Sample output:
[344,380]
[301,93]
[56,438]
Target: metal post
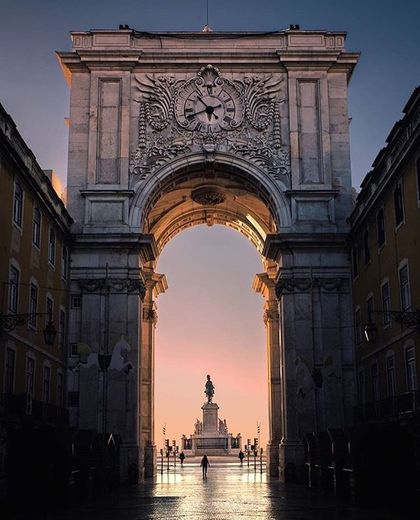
[261,457]
[255,460]
[161,461]
[247,454]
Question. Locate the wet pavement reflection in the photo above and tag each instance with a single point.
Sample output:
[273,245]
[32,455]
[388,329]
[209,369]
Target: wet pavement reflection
[229,492]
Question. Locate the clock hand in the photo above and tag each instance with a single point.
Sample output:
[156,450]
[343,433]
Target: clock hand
[209,113]
[201,101]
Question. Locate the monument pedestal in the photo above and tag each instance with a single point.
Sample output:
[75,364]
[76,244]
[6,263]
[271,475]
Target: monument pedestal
[211,436]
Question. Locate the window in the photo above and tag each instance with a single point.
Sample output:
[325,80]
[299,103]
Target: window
[404,288]
[366,246]
[362,388]
[18,205]
[51,247]
[375,382]
[73,350]
[369,309]
[355,265]
[59,389]
[46,381]
[390,376]
[386,304]
[76,301]
[33,304]
[30,373]
[49,309]
[358,326]
[410,367]
[398,205]
[73,399]
[9,380]
[62,330]
[13,289]
[36,228]
[380,222]
[64,262]
[418,179]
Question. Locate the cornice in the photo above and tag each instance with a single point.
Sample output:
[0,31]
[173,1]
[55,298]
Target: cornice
[275,245]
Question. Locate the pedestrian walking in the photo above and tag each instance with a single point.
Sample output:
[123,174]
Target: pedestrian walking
[182,457]
[241,456]
[204,464]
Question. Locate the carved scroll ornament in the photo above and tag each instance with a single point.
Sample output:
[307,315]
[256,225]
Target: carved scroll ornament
[208,113]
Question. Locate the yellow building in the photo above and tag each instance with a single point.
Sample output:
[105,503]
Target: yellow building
[385,242]
[385,254]
[34,275]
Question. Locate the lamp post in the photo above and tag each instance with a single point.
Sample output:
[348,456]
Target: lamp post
[411,319]
[9,322]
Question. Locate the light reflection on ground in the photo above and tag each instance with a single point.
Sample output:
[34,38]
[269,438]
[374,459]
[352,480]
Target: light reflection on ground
[228,493]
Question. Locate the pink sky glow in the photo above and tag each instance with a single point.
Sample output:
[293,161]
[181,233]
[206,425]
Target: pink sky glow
[210,322]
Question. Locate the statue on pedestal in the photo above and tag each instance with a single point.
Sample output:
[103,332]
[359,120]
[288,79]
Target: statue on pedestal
[209,391]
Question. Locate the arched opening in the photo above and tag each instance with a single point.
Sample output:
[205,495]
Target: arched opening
[210,323]
[212,193]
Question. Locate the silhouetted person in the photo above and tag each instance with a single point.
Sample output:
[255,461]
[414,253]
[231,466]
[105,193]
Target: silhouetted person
[241,456]
[204,464]
[182,457]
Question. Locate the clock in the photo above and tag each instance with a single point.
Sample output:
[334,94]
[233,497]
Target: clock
[209,107]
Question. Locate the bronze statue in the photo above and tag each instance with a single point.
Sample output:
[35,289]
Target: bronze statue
[209,391]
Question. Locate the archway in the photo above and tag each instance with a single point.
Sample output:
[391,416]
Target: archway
[194,193]
[209,322]
[249,130]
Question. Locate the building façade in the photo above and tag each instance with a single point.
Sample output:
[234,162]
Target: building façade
[385,255]
[34,266]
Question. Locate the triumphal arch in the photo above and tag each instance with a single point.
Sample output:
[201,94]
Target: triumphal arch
[172,130]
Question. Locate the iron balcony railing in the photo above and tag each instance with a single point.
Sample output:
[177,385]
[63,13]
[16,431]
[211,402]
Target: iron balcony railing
[18,407]
[389,408]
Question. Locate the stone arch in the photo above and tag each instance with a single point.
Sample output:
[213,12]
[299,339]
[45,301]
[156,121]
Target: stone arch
[270,191]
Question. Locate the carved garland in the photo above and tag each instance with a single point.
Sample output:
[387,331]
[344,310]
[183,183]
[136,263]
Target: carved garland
[113,285]
[302,285]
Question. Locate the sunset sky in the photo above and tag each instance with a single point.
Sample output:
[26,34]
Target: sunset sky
[210,321]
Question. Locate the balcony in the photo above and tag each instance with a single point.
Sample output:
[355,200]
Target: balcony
[23,408]
[391,408]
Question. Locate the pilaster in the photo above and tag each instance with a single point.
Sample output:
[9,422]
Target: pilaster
[155,284]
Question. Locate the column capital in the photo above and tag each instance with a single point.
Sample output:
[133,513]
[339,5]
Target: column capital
[265,285]
[154,282]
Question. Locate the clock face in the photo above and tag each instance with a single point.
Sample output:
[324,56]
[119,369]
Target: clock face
[209,108]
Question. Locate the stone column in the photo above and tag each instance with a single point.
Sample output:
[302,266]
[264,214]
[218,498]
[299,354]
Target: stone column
[105,326]
[155,285]
[316,361]
[266,286]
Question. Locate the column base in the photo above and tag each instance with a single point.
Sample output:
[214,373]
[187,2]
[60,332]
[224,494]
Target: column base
[291,460]
[149,461]
[129,463]
[272,458]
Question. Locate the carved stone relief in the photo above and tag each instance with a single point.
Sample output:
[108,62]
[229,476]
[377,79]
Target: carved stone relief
[302,285]
[209,113]
[113,285]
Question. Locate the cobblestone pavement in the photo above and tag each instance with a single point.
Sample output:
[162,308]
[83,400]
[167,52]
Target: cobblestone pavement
[228,493]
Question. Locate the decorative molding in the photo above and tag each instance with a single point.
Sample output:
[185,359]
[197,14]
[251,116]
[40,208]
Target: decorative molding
[271,315]
[113,285]
[254,132]
[208,196]
[150,315]
[306,284]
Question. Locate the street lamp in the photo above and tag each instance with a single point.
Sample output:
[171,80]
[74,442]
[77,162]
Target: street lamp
[411,319]
[9,322]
